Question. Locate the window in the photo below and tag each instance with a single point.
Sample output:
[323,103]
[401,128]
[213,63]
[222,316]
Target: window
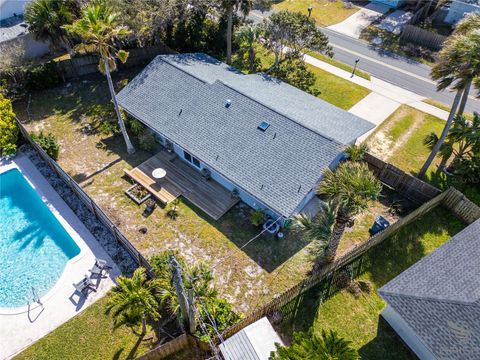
[191,159]
[263,126]
[195,162]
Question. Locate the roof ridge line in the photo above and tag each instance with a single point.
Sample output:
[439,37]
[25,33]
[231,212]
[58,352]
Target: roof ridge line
[251,98]
[163,58]
[417,297]
[278,112]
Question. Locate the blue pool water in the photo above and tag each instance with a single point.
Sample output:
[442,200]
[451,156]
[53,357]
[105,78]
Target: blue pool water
[34,246]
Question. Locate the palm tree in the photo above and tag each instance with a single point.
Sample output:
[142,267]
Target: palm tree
[248,36]
[46,19]
[457,68]
[329,345]
[350,188]
[133,301]
[318,228]
[462,140]
[467,25]
[244,6]
[98,29]
[198,277]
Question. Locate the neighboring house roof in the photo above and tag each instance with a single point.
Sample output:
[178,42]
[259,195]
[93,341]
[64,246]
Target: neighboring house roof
[439,297]
[254,342]
[184,98]
[12,27]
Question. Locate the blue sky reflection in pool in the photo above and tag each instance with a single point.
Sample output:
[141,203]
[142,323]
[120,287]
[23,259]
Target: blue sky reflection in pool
[34,246]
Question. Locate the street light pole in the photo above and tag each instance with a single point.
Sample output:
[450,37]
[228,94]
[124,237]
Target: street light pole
[310,8]
[355,67]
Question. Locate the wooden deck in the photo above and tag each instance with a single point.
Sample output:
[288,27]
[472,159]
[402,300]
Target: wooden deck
[182,179]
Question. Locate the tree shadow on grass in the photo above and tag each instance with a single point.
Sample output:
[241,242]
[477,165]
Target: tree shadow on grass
[268,252]
[405,248]
[300,313]
[386,345]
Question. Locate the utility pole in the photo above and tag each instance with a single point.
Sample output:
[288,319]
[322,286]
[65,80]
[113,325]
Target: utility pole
[187,307]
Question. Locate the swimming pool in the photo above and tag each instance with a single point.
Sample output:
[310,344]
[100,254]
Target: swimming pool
[34,246]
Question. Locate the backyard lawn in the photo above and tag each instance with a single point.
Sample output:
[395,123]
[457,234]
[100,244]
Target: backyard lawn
[357,318]
[324,12]
[96,160]
[88,335]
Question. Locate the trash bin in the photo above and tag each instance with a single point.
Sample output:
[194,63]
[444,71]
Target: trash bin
[380,224]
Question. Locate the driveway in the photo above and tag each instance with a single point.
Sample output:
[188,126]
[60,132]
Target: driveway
[353,25]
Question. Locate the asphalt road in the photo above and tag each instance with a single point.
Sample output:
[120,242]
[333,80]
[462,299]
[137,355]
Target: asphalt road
[403,72]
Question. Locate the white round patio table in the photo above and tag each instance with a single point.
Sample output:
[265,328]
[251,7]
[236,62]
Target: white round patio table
[159,173]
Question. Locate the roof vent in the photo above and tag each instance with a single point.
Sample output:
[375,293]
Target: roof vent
[228,103]
[263,126]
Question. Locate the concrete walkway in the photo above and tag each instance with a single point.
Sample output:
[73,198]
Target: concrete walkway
[353,25]
[384,99]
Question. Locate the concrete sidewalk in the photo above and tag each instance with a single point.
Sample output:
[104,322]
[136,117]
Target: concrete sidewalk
[384,99]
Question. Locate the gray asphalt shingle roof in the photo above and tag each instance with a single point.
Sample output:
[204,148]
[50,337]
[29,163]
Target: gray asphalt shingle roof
[298,105]
[278,167]
[439,297]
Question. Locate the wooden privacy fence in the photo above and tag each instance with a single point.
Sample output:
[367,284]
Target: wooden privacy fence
[88,202]
[405,184]
[179,343]
[84,65]
[416,35]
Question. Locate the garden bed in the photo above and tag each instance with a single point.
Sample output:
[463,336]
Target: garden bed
[138,193]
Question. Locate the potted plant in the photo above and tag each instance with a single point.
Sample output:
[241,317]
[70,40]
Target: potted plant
[257,217]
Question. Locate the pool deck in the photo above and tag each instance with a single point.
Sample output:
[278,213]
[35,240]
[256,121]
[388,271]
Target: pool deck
[20,327]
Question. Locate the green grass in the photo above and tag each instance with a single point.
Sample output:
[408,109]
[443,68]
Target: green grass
[337,91]
[339,64]
[88,335]
[468,116]
[357,319]
[331,88]
[325,12]
[399,139]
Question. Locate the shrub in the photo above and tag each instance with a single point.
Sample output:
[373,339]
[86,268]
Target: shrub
[257,217]
[356,152]
[8,127]
[136,127]
[43,76]
[109,127]
[9,149]
[172,213]
[47,143]
[295,72]
[147,140]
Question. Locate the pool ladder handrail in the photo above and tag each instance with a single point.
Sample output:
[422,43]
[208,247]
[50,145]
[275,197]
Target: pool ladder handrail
[35,296]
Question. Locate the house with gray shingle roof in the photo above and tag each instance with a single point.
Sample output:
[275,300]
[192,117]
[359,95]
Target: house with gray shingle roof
[268,140]
[435,304]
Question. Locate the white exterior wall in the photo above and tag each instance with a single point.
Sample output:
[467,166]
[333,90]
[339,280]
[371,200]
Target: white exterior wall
[458,10]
